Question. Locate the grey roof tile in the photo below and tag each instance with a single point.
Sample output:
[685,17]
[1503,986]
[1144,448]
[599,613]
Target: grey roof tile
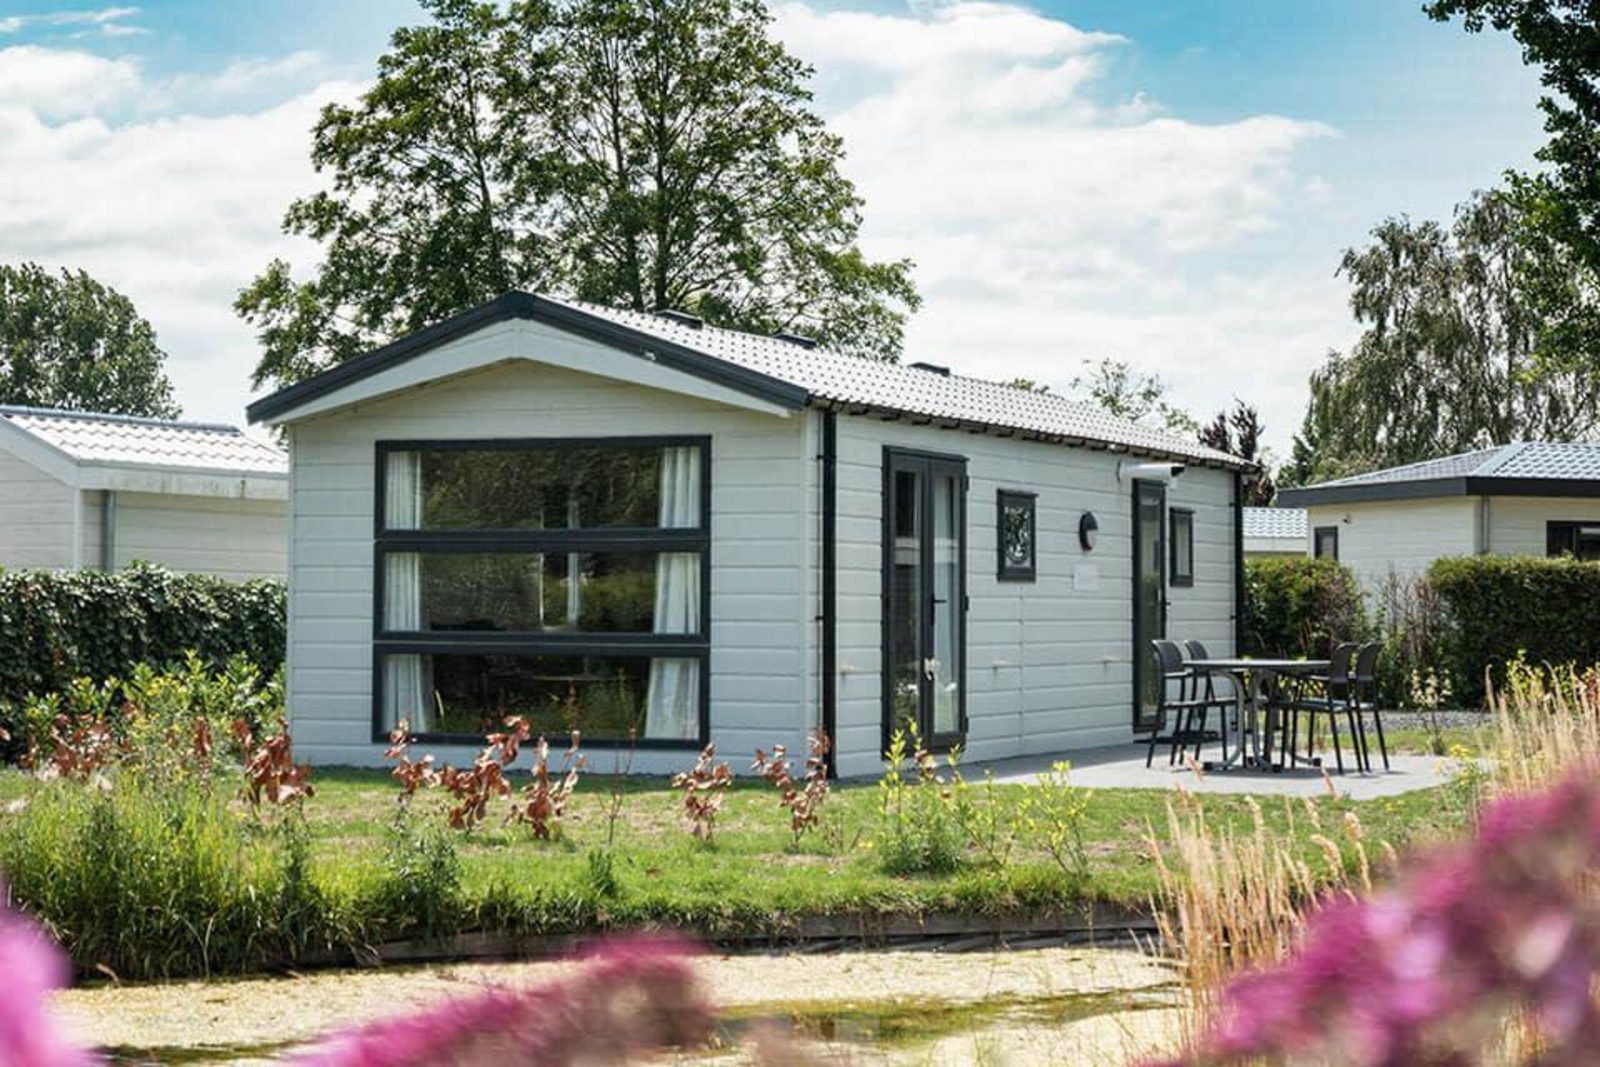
[125,441]
[1275,522]
[852,381]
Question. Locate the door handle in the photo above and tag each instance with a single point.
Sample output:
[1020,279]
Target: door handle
[930,668]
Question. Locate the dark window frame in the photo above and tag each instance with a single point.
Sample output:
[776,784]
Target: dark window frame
[1010,572]
[530,643]
[1180,572]
[1332,534]
[1568,531]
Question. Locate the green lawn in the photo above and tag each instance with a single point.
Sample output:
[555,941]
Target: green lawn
[753,870]
[751,879]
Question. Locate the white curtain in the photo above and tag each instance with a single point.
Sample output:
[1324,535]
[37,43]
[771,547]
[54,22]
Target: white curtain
[405,684]
[673,705]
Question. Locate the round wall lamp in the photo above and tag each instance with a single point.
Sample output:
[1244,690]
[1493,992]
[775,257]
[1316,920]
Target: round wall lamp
[1088,530]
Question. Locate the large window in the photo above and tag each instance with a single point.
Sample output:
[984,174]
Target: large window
[563,581]
[1580,539]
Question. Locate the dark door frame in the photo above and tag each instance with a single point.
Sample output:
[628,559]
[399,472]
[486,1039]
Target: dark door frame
[1142,656]
[929,464]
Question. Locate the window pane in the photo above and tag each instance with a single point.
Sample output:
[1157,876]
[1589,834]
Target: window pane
[1182,546]
[1016,529]
[543,488]
[543,592]
[470,694]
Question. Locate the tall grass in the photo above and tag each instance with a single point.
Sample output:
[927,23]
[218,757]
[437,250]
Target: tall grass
[1233,902]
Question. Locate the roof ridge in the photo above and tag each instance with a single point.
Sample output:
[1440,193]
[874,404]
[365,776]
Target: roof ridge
[1503,455]
[8,410]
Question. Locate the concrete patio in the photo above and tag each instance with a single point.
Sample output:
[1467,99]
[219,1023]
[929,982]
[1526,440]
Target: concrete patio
[1122,767]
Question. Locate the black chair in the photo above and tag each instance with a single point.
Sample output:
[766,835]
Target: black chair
[1187,712]
[1330,695]
[1364,699]
[1193,650]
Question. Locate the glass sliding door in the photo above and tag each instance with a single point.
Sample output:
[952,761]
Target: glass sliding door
[1149,599]
[924,617]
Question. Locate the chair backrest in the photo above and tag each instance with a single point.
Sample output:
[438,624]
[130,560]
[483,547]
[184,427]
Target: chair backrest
[1195,650]
[1367,662]
[1339,659]
[1169,656]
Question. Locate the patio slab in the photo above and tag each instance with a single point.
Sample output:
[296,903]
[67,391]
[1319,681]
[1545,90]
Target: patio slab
[1122,767]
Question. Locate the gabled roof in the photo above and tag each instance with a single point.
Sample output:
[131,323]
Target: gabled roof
[1529,468]
[1275,523]
[789,372]
[121,440]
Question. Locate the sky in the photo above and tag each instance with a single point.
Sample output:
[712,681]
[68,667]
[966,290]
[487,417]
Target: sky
[1165,182]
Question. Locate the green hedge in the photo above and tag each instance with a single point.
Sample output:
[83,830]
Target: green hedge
[1295,606]
[57,626]
[1496,607]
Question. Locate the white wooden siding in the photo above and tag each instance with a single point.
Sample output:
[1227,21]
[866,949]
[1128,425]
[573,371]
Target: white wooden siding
[1517,523]
[229,538]
[762,622]
[36,515]
[1049,664]
[1402,537]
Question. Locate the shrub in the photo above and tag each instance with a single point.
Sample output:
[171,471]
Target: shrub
[704,787]
[1299,607]
[1499,607]
[918,831]
[59,626]
[1410,620]
[804,799]
[145,879]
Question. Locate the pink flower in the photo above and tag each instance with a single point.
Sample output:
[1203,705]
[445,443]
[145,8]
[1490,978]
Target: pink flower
[632,997]
[30,967]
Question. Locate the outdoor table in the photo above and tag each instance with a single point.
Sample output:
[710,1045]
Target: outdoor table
[1253,746]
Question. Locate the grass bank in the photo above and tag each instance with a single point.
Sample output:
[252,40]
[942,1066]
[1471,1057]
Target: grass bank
[207,888]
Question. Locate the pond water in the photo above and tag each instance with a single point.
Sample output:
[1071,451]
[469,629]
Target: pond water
[1033,1006]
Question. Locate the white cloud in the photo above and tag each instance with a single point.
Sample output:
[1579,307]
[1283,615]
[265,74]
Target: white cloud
[1050,225]
[55,83]
[178,211]
[110,21]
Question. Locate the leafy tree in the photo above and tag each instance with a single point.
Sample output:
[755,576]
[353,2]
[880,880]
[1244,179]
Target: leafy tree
[1114,385]
[1562,37]
[1238,433]
[67,341]
[647,154]
[1463,346]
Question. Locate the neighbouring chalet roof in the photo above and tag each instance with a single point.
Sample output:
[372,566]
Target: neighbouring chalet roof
[94,451]
[1530,468]
[1275,523]
[788,371]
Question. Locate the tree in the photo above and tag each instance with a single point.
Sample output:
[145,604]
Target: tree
[1563,38]
[641,153]
[1464,345]
[1238,433]
[69,342]
[1114,385]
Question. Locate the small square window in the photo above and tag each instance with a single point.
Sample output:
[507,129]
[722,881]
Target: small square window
[1182,547]
[1015,536]
[1325,542]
